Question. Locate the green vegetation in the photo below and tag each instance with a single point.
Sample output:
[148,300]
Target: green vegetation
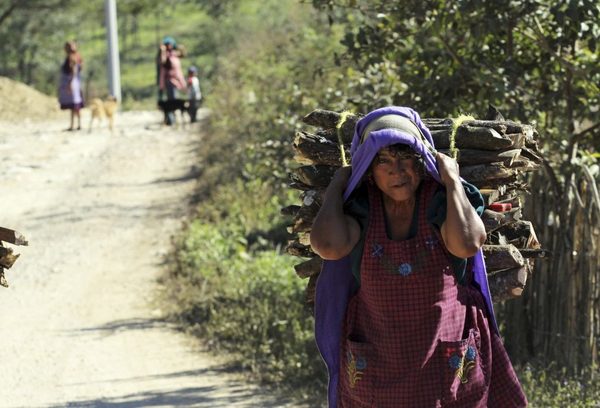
[231,289]
[548,386]
[266,63]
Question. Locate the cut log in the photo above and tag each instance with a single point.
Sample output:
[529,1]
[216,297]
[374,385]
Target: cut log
[499,257]
[484,138]
[328,120]
[532,154]
[303,220]
[480,173]
[309,268]
[12,237]
[511,183]
[297,249]
[314,176]
[508,284]
[3,281]
[433,122]
[469,157]
[501,126]
[493,220]
[535,253]
[468,137]
[524,164]
[313,149]
[7,257]
[301,225]
[519,233]
[298,185]
[518,140]
[311,289]
[304,239]
[290,210]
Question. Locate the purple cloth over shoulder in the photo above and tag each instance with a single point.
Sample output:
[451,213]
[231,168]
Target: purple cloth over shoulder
[335,283]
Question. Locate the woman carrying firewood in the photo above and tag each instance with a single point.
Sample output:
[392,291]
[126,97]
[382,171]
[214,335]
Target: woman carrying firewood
[403,311]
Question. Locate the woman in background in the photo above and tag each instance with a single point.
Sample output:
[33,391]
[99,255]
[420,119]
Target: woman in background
[171,77]
[69,91]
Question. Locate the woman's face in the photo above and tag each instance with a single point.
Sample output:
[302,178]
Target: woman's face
[396,174]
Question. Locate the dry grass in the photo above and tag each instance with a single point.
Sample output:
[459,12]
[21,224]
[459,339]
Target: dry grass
[19,101]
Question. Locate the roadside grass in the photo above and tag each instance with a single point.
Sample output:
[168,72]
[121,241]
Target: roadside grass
[228,285]
[549,386]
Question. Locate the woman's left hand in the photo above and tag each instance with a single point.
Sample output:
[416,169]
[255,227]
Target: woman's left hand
[448,168]
[463,231]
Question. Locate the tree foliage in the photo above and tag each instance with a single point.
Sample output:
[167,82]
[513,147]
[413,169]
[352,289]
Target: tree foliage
[534,59]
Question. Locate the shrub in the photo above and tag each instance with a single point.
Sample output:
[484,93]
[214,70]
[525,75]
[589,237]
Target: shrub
[547,386]
[241,295]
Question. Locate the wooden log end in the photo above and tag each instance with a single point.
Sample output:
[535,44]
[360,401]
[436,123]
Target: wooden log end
[322,118]
[508,284]
[290,210]
[501,257]
[297,249]
[20,239]
[309,268]
[311,289]
[3,281]
[7,260]
[12,237]
[535,253]
[515,292]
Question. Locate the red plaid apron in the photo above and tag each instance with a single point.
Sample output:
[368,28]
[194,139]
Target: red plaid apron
[413,336]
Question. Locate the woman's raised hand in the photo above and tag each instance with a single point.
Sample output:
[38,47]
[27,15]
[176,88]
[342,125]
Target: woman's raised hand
[448,168]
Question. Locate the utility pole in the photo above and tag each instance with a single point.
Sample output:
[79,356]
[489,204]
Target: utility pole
[114,73]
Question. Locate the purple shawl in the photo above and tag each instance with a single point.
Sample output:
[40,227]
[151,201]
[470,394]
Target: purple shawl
[335,283]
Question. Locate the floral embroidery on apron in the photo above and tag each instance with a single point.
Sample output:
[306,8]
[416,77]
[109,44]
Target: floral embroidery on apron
[356,365]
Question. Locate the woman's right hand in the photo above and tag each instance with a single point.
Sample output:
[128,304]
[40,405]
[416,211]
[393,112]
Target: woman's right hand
[341,177]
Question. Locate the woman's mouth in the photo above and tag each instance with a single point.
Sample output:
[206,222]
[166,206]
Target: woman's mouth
[399,184]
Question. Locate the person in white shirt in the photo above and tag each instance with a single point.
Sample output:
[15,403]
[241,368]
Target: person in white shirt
[194,93]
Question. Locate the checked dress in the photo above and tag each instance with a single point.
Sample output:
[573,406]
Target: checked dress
[413,336]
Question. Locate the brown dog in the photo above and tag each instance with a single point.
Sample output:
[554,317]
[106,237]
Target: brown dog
[103,109]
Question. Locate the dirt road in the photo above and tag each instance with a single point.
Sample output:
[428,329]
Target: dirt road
[78,326]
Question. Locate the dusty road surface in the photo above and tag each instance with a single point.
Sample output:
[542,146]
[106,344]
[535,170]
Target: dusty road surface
[78,327]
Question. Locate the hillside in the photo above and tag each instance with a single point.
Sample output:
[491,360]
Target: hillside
[19,101]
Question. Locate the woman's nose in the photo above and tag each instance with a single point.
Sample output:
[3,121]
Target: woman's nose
[397,168]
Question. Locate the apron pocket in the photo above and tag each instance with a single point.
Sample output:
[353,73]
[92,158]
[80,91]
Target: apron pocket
[464,378]
[357,372]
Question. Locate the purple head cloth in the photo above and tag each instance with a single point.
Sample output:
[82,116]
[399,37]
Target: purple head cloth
[335,283]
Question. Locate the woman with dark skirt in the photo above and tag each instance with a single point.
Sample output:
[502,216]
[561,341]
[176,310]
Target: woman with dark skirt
[70,95]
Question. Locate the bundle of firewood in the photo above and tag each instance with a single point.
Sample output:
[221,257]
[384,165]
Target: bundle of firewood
[493,155]
[7,256]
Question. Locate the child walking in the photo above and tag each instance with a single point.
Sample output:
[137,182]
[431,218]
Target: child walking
[194,94]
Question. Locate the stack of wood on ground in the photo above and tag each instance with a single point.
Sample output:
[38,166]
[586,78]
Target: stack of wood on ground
[492,155]
[7,256]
